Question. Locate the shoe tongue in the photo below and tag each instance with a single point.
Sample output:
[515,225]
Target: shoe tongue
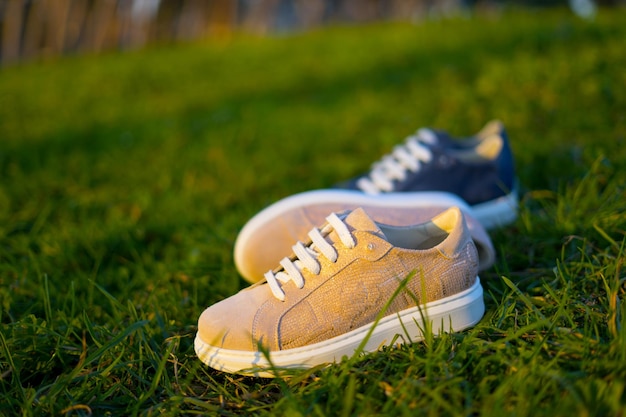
[358,220]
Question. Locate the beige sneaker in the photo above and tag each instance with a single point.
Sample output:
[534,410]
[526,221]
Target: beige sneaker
[323,301]
[268,236]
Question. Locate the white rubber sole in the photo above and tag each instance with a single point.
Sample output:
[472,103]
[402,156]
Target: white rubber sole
[497,213]
[453,313]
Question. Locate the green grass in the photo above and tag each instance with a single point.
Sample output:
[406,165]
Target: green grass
[126,177]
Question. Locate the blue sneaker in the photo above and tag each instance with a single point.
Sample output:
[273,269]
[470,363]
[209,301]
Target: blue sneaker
[479,169]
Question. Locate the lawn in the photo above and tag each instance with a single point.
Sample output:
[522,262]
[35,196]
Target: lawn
[127,176]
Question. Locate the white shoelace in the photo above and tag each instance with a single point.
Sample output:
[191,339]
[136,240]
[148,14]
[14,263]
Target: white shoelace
[307,256]
[403,158]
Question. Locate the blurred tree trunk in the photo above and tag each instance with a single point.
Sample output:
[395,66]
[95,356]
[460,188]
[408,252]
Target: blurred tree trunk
[56,25]
[165,25]
[33,31]
[46,23]
[222,17]
[192,19]
[259,16]
[99,25]
[12,31]
[76,17]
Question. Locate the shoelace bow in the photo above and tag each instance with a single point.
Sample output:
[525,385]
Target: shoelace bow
[307,256]
[394,166]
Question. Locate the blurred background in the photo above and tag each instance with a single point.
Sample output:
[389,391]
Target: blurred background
[32,29]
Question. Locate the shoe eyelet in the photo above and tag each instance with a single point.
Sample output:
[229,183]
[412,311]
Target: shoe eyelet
[371,246]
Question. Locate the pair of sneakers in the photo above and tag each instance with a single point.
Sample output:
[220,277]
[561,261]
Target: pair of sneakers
[374,261]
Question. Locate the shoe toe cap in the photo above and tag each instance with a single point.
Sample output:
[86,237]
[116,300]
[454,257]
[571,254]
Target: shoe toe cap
[228,324]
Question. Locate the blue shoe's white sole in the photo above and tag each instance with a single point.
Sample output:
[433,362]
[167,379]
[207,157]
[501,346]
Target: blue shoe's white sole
[497,213]
[453,313]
